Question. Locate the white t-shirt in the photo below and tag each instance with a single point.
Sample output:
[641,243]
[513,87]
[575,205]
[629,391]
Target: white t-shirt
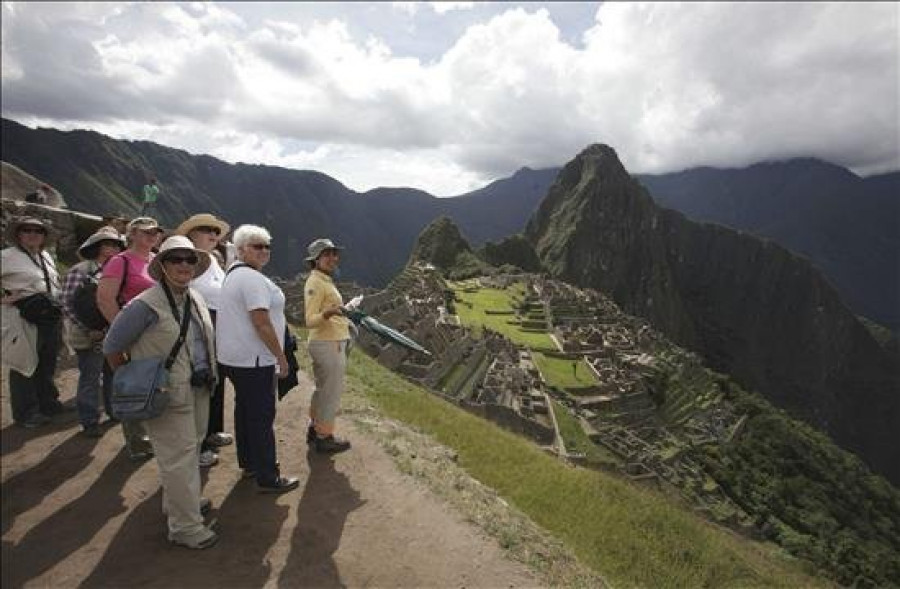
[209,284]
[237,342]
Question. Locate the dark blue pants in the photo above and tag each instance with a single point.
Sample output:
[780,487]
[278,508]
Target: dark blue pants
[254,416]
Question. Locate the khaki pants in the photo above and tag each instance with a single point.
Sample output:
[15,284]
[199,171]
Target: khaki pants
[176,436]
[329,367]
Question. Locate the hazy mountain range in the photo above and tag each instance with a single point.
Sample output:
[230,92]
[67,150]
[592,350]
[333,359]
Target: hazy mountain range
[848,226]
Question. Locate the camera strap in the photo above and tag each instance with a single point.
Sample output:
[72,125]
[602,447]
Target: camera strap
[184,318]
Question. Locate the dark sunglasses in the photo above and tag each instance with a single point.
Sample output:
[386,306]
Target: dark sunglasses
[32,230]
[176,259]
[261,246]
[206,229]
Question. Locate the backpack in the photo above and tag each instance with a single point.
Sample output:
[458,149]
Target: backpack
[84,304]
[84,300]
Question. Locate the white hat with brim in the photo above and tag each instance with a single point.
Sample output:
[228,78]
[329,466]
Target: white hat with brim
[143,224]
[105,233]
[203,220]
[16,223]
[320,245]
[177,243]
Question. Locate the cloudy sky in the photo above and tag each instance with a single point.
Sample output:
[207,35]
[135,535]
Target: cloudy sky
[449,96]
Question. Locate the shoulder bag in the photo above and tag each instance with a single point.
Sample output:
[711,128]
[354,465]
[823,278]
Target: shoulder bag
[141,387]
[40,308]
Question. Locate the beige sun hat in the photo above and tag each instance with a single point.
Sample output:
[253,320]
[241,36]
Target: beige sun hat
[106,233]
[177,242]
[16,223]
[318,246]
[203,220]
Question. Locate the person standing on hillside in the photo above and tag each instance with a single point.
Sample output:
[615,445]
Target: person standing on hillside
[250,343]
[205,230]
[147,328]
[150,196]
[125,276]
[86,341]
[329,337]
[30,348]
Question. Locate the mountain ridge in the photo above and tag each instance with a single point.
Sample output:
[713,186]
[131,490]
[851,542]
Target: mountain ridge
[752,308]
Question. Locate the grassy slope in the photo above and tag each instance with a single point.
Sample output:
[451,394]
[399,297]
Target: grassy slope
[472,307]
[631,535]
[557,372]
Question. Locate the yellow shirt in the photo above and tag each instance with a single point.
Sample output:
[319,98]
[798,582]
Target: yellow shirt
[319,293]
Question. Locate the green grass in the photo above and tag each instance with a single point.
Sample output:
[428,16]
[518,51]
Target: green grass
[471,310]
[632,536]
[558,372]
[578,441]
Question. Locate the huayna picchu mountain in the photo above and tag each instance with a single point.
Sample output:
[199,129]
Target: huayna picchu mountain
[750,307]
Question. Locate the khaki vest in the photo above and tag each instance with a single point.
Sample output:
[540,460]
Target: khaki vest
[159,338]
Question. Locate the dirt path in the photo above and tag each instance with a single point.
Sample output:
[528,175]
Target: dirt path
[77,512]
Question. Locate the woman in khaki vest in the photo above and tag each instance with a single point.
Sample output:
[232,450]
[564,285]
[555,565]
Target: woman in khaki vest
[149,327]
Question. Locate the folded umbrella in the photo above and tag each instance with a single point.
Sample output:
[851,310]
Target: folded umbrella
[383,331]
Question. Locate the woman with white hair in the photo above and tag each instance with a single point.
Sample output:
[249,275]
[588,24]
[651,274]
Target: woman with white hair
[250,342]
[149,327]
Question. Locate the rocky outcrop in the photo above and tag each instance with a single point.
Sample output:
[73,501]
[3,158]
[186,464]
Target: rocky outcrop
[16,184]
[752,308]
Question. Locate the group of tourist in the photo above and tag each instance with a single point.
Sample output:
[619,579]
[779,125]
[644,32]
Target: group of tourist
[194,288]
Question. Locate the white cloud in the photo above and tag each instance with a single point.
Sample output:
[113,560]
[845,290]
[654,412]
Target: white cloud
[668,86]
[445,7]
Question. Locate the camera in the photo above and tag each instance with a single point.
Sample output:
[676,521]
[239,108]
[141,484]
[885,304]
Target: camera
[202,377]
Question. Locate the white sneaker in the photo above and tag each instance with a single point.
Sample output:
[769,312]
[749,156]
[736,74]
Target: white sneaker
[208,458]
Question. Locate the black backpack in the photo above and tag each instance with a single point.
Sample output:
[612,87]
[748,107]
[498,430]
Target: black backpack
[84,300]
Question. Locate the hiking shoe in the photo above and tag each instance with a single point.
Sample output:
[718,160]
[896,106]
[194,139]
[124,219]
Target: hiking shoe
[311,434]
[208,458]
[140,456]
[220,439]
[36,420]
[92,431]
[331,445]
[200,541]
[281,485]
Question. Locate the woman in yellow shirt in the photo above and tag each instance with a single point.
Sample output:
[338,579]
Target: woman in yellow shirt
[329,336]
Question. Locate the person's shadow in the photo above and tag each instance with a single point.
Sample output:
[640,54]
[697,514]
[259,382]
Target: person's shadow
[248,523]
[72,526]
[28,488]
[327,501]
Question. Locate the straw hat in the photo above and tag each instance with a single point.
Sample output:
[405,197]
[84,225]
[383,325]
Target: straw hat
[106,233]
[177,242]
[203,220]
[12,229]
[316,248]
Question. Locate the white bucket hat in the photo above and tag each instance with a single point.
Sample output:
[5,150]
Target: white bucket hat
[177,242]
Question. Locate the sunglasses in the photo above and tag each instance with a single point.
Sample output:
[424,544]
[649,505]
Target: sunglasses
[32,230]
[260,246]
[208,230]
[190,259]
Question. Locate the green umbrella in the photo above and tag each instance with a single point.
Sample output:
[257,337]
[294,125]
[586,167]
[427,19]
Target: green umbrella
[383,331]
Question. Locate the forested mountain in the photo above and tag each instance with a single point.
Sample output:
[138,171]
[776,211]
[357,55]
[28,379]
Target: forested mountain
[849,227]
[752,308]
[98,174]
